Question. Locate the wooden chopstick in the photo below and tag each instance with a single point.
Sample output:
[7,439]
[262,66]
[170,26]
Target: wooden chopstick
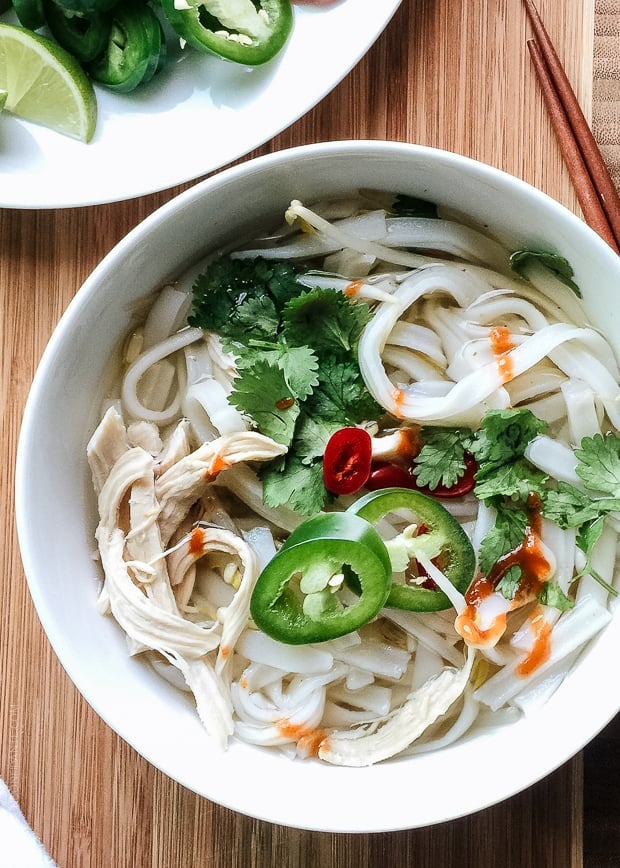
[587,195]
[595,189]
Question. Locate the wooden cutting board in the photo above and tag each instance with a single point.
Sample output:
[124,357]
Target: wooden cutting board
[448,73]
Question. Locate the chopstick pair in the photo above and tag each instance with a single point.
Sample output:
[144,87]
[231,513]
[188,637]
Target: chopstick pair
[595,189]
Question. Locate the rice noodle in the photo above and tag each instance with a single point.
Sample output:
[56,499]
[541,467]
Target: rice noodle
[131,401]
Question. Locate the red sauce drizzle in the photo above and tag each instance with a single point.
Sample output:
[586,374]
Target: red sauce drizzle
[218,464]
[529,556]
[398,397]
[541,649]
[501,345]
[479,590]
[535,570]
[466,625]
[284,403]
[196,541]
[353,288]
[408,442]
[308,738]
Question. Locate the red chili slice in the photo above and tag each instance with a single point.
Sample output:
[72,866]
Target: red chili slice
[389,475]
[347,460]
[428,583]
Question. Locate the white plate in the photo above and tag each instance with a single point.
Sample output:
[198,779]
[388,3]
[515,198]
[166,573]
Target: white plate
[197,115]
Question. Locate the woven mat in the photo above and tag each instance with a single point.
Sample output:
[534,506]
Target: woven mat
[606,83]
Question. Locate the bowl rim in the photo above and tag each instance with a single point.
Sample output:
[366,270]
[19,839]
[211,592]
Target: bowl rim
[522,773]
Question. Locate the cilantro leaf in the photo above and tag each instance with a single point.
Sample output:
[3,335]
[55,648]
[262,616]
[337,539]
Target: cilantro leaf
[301,370]
[311,436]
[247,355]
[568,507]
[298,364]
[411,206]
[262,392]
[589,535]
[298,485]
[211,304]
[279,279]
[296,479]
[551,594]
[509,582]
[441,460]
[502,438]
[516,480]
[587,538]
[557,264]
[255,318]
[598,463]
[341,395]
[227,283]
[325,319]
[506,534]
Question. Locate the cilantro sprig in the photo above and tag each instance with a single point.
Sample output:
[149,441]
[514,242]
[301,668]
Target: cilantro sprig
[505,481]
[599,463]
[298,379]
[229,290]
[325,319]
[441,460]
[598,466]
[506,534]
[498,447]
[521,260]
[502,439]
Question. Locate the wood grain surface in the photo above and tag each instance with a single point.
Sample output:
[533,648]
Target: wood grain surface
[448,73]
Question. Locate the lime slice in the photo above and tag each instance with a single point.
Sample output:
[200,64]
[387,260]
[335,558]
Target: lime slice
[45,84]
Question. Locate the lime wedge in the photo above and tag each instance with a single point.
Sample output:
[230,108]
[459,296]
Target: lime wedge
[3,96]
[44,84]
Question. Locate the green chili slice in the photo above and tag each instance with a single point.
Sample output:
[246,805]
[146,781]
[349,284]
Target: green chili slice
[86,7]
[85,36]
[442,540]
[243,32]
[296,599]
[29,13]
[134,49]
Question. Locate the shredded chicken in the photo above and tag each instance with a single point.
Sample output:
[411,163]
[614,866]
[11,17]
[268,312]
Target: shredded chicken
[106,446]
[423,706]
[146,435]
[139,592]
[201,542]
[180,486]
[139,511]
[176,447]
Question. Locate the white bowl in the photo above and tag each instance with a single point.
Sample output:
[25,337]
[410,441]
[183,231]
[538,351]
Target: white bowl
[56,513]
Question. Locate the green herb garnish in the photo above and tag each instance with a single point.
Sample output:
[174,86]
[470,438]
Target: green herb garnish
[558,265]
[297,373]
[441,460]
